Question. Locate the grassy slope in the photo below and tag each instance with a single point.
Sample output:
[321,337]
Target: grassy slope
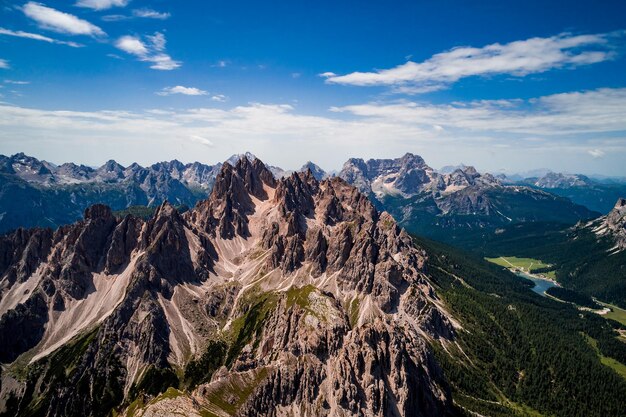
[526,264]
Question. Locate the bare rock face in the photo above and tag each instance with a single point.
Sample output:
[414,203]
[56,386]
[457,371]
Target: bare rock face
[272,297]
[614,224]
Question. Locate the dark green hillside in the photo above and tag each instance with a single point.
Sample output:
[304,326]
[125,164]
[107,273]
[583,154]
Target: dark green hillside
[526,354]
[583,261]
[491,209]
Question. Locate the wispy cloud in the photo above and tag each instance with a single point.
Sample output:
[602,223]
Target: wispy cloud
[16,82]
[519,58]
[36,36]
[115,17]
[57,21]
[221,98]
[179,89]
[4,64]
[596,153]
[201,140]
[101,4]
[150,14]
[151,50]
[143,13]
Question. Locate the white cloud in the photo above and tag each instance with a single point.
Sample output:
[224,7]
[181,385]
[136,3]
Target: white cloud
[596,153]
[132,45]
[52,19]
[101,4]
[515,133]
[36,36]
[201,140]
[592,111]
[163,62]
[4,64]
[519,58]
[179,89]
[222,63]
[219,98]
[15,82]
[150,51]
[150,14]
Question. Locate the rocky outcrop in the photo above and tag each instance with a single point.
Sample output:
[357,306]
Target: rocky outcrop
[272,297]
[613,224]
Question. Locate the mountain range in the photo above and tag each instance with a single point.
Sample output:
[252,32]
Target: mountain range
[262,297]
[425,201]
[444,206]
[282,296]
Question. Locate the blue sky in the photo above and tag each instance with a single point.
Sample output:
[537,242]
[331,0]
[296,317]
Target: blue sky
[500,85]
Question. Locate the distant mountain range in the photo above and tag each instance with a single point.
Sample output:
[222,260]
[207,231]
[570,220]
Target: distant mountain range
[592,193]
[445,205]
[39,193]
[426,201]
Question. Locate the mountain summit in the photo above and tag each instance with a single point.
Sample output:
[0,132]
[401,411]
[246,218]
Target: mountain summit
[290,294]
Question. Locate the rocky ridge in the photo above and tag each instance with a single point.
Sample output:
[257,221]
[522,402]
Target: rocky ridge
[151,178]
[288,296]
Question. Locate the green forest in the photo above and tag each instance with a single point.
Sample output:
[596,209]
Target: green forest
[520,353]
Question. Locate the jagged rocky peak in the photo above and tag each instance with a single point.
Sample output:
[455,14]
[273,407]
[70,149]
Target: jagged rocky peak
[110,171]
[406,175]
[317,172]
[27,168]
[236,157]
[291,296]
[410,175]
